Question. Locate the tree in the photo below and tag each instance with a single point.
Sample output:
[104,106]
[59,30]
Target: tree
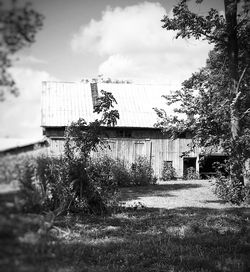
[216,99]
[102,79]
[81,140]
[18,28]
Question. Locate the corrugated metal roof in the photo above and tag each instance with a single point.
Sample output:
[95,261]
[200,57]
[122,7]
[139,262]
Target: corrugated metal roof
[63,103]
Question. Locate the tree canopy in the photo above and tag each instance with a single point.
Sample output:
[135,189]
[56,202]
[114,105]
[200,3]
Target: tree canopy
[214,103]
[18,28]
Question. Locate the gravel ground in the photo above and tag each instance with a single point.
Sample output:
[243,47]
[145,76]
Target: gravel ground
[175,194]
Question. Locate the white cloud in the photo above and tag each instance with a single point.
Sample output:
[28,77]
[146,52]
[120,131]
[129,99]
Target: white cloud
[29,59]
[135,46]
[20,116]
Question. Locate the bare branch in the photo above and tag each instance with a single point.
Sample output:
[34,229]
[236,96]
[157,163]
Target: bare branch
[245,113]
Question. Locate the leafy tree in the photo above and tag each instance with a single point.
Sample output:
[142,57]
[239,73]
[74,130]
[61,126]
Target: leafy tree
[81,140]
[101,79]
[18,27]
[216,99]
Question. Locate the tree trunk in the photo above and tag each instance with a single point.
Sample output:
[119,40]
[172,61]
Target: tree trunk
[232,51]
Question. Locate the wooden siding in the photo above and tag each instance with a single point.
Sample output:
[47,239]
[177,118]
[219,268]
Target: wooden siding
[156,150]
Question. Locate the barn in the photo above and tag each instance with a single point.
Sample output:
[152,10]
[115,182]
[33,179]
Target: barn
[133,136]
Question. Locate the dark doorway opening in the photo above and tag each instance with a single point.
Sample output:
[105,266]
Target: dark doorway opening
[188,163]
[209,164]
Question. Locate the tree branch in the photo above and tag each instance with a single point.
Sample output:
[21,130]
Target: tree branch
[245,113]
[238,94]
[241,77]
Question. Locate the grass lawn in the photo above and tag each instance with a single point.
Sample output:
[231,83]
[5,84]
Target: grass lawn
[180,238]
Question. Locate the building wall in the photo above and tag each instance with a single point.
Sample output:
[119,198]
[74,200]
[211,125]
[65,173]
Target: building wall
[156,150]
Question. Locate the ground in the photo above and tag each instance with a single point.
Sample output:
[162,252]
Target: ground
[173,226]
[175,194]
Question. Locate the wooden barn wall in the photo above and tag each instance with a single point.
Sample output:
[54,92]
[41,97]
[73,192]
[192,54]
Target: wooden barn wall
[156,150]
[56,146]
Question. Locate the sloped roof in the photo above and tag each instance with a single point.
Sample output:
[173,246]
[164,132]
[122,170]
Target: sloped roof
[64,102]
[11,143]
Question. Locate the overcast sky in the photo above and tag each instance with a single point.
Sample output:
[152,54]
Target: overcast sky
[121,39]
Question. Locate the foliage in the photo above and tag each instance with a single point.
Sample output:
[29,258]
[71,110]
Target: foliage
[18,27]
[50,184]
[30,190]
[66,183]
[112,173]
[100,172]
[8,170]
[213,104]
[121,173]
[41,181]
[168,171]
[142,172]
[81,140]
[234,193]
[102,79]
[191,174]
[52,175]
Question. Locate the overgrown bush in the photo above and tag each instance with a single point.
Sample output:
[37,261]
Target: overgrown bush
[231,191]
[121,173]
[100,172]
[53,184]
[52,173]
[112,173]
[30,188]
[142,173]
[191,174]
[9,168]
[42,181]
[168,171]
[6,170]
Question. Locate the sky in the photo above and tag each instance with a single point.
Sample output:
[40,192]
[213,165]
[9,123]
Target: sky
[120,39]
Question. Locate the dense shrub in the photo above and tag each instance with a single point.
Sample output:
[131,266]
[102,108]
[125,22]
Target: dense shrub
[52,183]
[30,189]
[104,170]
[168,171]
[52,173]
[42,181]
[191,174]
[9,167]
[100,172]
[231,191]
[21,169]
[142,173]
[6,170]
[121,173]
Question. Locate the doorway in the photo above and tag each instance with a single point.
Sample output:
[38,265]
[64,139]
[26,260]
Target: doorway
[189,162]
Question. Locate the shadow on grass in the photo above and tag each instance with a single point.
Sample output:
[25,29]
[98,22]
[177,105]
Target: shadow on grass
[147,239]
[163,240]
[134,239]
[161,190]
